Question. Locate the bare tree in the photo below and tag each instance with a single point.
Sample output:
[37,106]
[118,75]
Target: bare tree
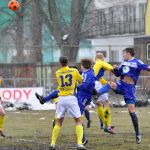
[36,33]
[67,36]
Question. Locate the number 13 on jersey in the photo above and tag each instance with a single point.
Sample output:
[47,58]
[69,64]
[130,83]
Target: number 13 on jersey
[66,80]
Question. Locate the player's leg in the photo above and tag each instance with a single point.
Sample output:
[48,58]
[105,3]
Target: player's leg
[87,116]
[75,112]
[107,115]
[2,120]
[130,99]
[79,134]
[43,100]
[55,132]
[100,111]
[134,118]
[105,89]
[60,113]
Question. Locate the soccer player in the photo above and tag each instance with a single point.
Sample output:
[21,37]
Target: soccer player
[103,108]
[67,102]
[85,89]
[2,119]
[128,71]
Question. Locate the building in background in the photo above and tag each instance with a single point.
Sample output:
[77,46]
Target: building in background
[113,25]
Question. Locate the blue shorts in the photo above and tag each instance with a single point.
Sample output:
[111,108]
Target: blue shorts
[83,101]
[127,90]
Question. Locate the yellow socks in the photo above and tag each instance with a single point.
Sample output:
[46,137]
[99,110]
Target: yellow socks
[100,112]
[55,134]
[79,133]
[107,116]
[2,121]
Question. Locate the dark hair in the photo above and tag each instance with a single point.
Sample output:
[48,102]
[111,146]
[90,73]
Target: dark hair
[130,50]
[63,60]
[86,63]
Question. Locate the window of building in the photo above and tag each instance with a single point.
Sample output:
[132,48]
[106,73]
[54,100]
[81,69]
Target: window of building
[148,51]
[114,56]
[142,9]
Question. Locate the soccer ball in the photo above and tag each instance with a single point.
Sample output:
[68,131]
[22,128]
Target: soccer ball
[13,5]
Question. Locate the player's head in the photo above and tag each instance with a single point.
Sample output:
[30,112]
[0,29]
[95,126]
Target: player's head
[99,56]
[63,60]
[128,53]
[86,64]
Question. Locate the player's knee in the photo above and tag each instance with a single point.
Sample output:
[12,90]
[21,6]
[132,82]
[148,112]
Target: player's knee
[59,122]
[131,108]
[78,121]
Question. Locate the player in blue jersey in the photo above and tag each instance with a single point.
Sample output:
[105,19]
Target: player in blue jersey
[128,71]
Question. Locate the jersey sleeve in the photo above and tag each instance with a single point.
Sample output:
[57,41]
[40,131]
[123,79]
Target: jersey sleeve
[78,76]
[96,68]
[142,66]
[107,66]
[103,81]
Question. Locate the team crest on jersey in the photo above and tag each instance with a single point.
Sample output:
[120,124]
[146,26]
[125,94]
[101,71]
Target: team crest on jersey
[126,69]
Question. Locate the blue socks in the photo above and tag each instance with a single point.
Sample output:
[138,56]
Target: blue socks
[104,89]
[135,122]
[87,115]
[84,136]
[52,95]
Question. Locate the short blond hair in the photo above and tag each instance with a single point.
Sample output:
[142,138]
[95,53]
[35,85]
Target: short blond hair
[99,56]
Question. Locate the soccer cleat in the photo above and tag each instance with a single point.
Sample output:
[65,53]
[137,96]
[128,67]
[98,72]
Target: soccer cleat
[40,98]
[52,147]
[89,124]
[81,147]
[2,134]
[85,142]
[109,130]
[138,139]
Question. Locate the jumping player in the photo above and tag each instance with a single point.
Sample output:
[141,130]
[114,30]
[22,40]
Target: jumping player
[103,108]
[128,71]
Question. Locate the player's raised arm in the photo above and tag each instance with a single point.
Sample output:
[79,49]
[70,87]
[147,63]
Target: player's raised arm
[107,66]
[103,81]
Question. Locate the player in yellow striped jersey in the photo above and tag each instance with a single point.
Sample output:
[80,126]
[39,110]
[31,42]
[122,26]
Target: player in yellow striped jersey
[67,102]
[103,106]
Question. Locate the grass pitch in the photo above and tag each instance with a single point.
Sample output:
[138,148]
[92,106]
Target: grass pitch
[31,130]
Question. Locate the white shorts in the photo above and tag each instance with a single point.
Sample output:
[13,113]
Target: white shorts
[67,104]
[103,97]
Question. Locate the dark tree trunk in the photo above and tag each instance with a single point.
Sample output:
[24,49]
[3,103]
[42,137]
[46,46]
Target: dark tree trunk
[36,33]
[19,40]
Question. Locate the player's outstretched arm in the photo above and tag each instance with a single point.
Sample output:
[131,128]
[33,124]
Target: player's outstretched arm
[117,71]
